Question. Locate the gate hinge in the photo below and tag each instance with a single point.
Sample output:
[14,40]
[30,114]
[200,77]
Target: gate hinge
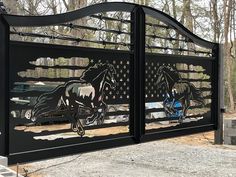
[222,110]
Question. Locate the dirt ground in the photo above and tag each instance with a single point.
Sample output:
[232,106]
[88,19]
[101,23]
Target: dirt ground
[201,139]
[229,115]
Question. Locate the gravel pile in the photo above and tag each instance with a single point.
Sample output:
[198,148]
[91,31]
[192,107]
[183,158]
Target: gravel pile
[153,159]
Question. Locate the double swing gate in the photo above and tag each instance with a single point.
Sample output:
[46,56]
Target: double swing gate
[102,76]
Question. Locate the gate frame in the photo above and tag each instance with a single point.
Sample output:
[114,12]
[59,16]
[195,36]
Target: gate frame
[4,77]
[137,86]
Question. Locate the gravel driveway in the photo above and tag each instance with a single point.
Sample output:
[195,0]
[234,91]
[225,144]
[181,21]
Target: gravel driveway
[153,159]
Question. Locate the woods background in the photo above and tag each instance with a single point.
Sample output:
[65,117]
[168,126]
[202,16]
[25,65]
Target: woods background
[213,20]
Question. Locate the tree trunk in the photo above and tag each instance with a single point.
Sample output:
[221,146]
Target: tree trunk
[227,14]
[216,24]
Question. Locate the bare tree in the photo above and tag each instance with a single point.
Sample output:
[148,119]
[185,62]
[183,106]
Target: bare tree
[227,17]
[215,19]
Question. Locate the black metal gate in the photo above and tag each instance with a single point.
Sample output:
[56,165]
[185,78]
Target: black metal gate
[161,83]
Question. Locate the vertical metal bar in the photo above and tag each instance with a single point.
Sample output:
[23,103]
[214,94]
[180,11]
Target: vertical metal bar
[132,77]
[4,119]
[138,62]
[218,52]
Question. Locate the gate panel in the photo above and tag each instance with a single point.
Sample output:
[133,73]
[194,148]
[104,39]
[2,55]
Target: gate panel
[38,109]
[178,93]
[180,85]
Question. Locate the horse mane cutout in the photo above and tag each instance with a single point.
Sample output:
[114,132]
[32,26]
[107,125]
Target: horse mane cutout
[174,71]
[93,71]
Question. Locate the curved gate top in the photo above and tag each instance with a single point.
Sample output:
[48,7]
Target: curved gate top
[105,75]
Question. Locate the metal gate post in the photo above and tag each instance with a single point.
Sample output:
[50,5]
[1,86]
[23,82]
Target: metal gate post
[4,118]
[218,53]
[138,70]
